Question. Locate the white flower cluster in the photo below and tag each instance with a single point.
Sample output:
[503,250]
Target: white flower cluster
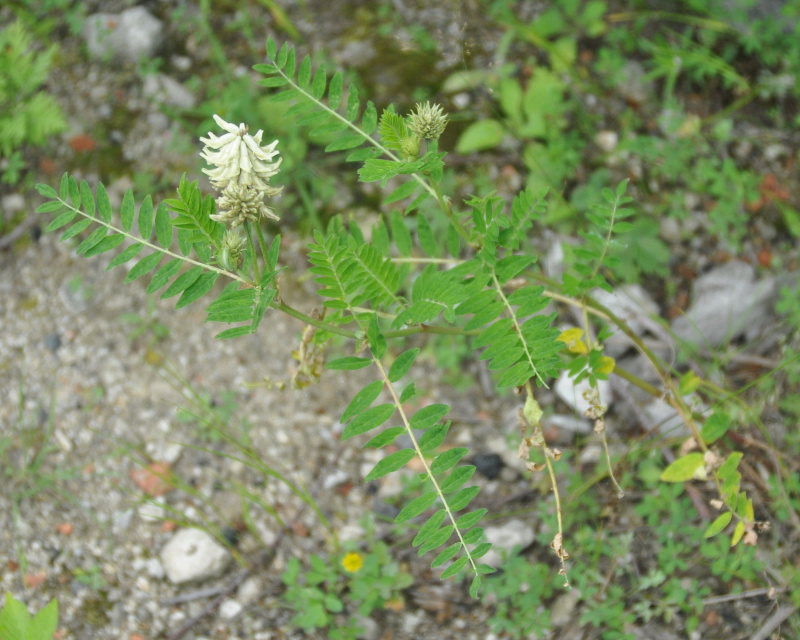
[241,169]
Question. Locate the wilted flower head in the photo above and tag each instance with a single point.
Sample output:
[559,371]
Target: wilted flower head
[427,122]
[237,157]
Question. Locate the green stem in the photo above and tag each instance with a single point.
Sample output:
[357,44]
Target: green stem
[325,326]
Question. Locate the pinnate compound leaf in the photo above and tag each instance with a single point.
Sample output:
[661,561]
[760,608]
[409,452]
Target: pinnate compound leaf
[448,459]
[163,275]
[429,528]
[362,400]
[385,438]
[457,478]
[473,535]
[74,192]
[446,554]
[428,416]
[92,239]
[103,203]
[718,525]
[335,90]
[463,498]
[738,532]
[390,463]
[683,468]
[146,218]
[127,254]
[344,143]
[436,540]
[182,282]
[715,427]
[50,207]
[455,568]
[470,519]
[106,244]
[402,364]
[75,229]
[46,191]
[87,199]
[163,225]
[408,392]
[145,265]
[197,289]
[63,187]
[368,419]
[728,468]
[433,437]
[65,218]
[475,587]
[418,504]
[348,363]
[126,210]
[232,305]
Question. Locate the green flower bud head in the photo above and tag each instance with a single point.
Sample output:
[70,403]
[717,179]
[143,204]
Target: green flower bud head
[428,121]
[232,250]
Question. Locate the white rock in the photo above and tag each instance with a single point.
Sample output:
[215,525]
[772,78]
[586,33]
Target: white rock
[169,91]
[514,533]
[607,140]
[154,568]
[563,609]
[152,510]
[726,302]
[369,628]
[334,479]
[12,203]
[133,34]
[632,304]
[249,590]
[193,555]
[229,609]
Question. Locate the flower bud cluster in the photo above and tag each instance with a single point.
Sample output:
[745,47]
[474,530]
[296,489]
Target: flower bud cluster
[240,169]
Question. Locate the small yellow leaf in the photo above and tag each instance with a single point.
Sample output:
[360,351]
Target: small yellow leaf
[738,532]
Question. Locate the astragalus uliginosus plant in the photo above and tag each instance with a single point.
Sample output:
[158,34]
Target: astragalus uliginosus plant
[476,279]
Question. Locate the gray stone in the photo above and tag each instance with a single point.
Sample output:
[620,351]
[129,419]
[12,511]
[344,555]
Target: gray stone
[133,34]
[168,91]
[192,556]
[506,536]
[726,302]
[229,609]
[632,304]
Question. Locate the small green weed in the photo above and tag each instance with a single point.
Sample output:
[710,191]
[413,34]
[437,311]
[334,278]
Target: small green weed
[27,114]
[17,624]
[335,588]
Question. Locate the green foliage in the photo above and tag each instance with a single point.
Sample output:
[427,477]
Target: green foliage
[519,592]
[382,286]
[27,115]
[332,590]
[17,624]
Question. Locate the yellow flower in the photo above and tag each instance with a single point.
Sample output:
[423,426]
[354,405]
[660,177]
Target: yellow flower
[352,562]
[572,338]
